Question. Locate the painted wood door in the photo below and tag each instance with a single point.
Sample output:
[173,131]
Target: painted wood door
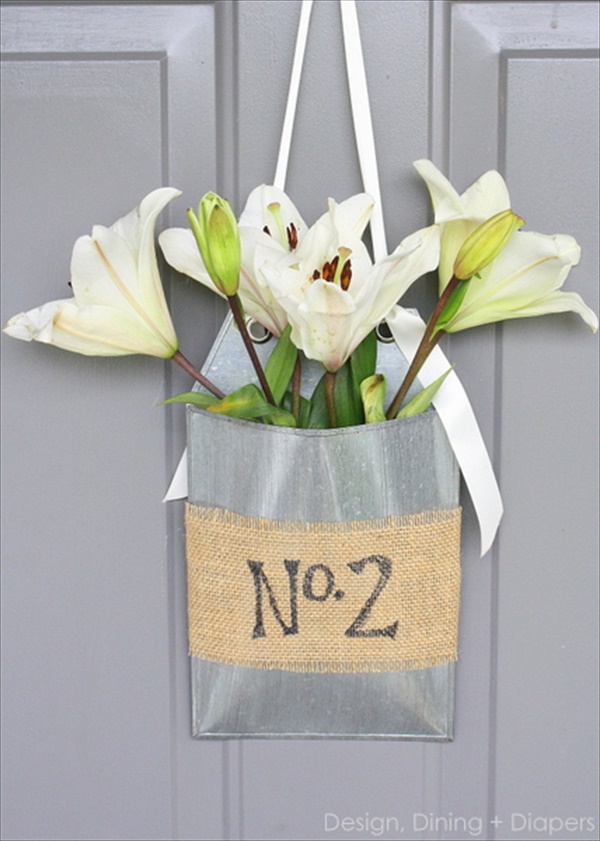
[104,101]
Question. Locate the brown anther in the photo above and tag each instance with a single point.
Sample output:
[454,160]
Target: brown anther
[346,275]
[328,270]
[292,235]
[316,274]
[266,230]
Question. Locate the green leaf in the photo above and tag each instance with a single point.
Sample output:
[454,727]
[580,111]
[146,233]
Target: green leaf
[364,359]
[422,401]
[317,418]
[347,399]
[281,363]
[195,398]
[452,306]
[247,403]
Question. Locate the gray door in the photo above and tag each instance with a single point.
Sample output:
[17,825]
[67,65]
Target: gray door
[103,102]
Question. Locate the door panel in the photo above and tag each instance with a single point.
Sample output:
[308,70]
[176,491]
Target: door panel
[103,102]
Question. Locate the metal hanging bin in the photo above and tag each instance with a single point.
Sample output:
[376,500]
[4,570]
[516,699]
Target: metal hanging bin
[316,476]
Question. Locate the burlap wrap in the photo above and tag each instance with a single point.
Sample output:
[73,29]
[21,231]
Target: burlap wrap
[379,595]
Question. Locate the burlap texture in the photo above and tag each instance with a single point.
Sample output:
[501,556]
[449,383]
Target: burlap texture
[379,595]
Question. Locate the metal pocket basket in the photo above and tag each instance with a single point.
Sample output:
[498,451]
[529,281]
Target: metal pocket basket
[356,473]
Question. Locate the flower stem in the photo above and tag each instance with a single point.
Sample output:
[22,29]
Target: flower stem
[239,320]
[296,381]
[426,345]
[329,398]
[187,366]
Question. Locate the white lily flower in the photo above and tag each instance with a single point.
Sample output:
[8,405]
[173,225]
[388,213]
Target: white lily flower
[524,279]
[459,215]
[333,294]
[118,305]
[271,229]
[257,244]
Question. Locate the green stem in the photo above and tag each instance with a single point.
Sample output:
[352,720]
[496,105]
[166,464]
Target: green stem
[187,366]
[296,381]
[329,398]
[239,320]
[427,344]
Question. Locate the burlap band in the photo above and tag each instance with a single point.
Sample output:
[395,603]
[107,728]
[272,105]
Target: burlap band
[379,595]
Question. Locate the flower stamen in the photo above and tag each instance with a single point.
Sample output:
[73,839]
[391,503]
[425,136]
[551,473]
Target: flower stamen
[346,276]
[329,270]
[275,210]
[341,262]
[338,270]
[292,236]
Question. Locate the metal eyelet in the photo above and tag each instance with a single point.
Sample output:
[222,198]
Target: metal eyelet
[258,333]
[383,333]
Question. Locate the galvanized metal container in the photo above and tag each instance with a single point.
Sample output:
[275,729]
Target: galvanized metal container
[356,473]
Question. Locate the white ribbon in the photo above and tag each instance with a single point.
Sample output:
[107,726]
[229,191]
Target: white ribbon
[452,403]
[290,109]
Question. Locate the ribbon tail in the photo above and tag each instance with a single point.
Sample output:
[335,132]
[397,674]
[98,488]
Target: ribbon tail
[178,489]
[458,419]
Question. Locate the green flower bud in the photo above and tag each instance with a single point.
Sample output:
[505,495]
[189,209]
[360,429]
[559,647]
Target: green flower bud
[372,391]
[217,235]
[485,243]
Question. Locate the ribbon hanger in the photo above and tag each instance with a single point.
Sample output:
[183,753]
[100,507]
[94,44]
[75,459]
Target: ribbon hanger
[361,113]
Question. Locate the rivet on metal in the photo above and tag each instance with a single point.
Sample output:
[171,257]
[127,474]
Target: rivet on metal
[383,333]
[258,333]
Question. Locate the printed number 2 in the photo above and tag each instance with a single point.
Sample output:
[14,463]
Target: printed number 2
[356,629]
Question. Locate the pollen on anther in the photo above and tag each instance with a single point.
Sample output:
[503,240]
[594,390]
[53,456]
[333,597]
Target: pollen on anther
[329,269]
[346,276]
[292,235]
[266,230]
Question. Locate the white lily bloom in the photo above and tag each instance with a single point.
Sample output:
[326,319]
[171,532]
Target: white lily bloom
[181,252]
[118,305]
[271,229]
[333,294]
[524,279]
[459,215]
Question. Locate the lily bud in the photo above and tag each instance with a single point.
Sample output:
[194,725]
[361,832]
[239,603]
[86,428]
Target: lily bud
[372,392]
[217,235]
[485,243]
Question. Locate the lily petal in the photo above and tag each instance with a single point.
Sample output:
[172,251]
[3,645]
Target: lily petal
[416,255]
[353,213]
[484,198]
[441,191]
[325,325]
[256,213]
[119,305]
[181,251]
[561,302]
[458,216]
[524,281]
[89,330]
